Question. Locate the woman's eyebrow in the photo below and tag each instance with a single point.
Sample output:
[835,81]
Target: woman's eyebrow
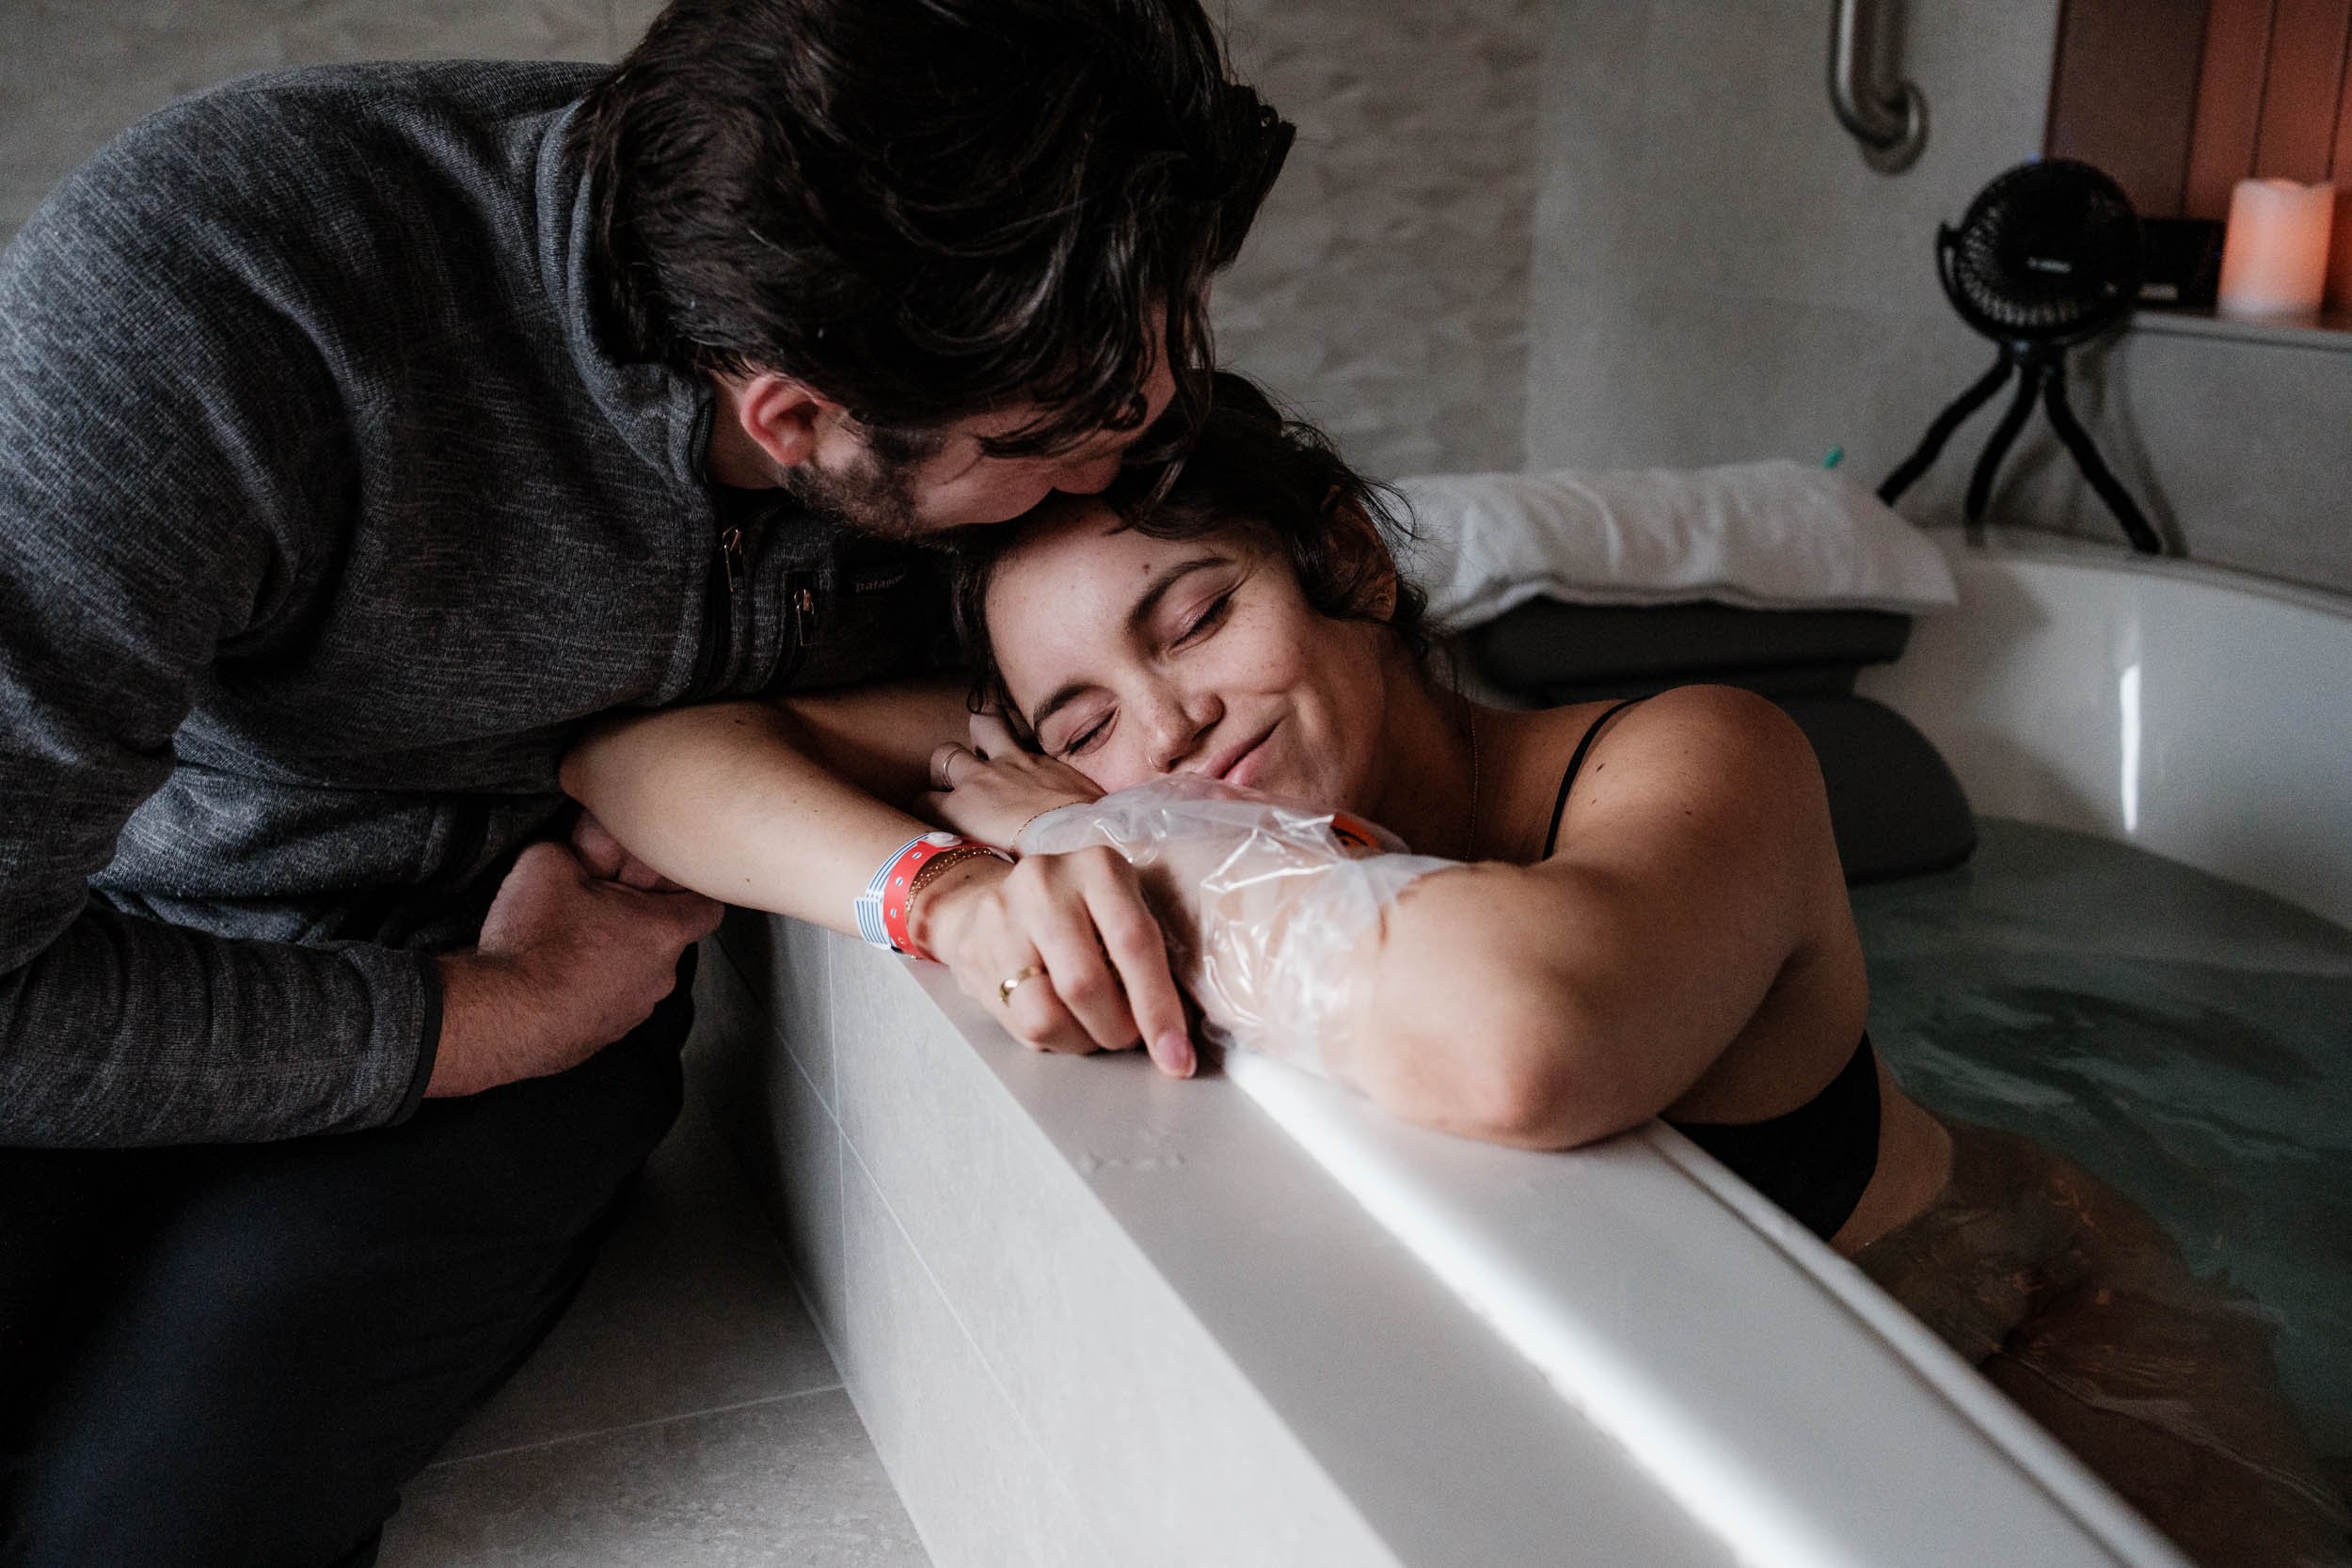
[1139,615]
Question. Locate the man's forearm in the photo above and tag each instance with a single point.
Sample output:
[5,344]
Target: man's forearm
[125,1031]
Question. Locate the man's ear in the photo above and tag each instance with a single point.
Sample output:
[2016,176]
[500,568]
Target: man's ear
[783,417]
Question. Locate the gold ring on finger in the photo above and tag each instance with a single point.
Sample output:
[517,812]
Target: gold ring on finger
[1014,982]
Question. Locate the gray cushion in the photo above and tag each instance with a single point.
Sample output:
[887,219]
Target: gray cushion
[1558,652]
[1894,803]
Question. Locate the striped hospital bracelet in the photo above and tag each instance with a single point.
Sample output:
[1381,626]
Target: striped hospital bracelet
[882,907]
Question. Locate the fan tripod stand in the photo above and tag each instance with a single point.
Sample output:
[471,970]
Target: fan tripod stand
[2041,368]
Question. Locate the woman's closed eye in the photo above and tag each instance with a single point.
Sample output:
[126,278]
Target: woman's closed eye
[1196,626]
[1206,621]
[1085,739]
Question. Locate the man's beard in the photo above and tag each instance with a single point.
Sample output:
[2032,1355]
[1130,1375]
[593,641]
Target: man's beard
[875,499]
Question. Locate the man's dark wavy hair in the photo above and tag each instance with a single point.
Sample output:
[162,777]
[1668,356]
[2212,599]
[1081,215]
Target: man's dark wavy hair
[927,208]
[1255,471]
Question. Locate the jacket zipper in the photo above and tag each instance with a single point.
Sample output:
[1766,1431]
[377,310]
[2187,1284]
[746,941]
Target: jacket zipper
[724,583]
[803,632]
[731,557]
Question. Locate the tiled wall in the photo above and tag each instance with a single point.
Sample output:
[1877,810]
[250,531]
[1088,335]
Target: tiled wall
[1716,274]
[1718,277]
[72,72]
[1385,291]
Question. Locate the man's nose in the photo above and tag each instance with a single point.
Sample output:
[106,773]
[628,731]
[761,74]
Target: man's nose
[1088,479]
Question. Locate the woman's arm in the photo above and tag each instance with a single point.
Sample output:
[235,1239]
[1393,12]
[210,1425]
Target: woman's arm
[1555,1004]
[791,809]
[786,808]
[1542,1005]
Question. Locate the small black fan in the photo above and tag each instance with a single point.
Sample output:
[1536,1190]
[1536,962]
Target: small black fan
[2047,257]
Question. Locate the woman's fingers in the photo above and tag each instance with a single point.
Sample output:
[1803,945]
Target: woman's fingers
[945,759]
[1137,949]
[1034,1014]
[990,798]
[1107,958]
[992,737]
[1082,977]
[1075,960]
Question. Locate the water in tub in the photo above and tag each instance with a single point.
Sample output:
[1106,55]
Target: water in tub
[2186,1038]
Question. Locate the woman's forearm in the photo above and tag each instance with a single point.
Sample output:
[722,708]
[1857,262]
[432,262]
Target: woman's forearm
[1296,945]
[729,800]
[1463,1017]
[1548,1005]
[1487,1000]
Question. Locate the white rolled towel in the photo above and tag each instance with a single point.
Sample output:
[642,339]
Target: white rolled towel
[1772,535]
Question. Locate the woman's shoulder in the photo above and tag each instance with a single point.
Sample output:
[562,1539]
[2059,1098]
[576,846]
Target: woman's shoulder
[1690,751]
[1719,721]
[1728,712]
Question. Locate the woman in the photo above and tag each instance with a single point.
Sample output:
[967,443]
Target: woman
[1643,914]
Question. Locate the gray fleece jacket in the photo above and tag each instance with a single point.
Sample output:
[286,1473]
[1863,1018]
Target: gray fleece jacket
[326,520]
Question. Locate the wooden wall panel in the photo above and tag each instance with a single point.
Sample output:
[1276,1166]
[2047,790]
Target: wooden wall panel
[2340,165]
[2340,170]
[2301,88]
[2180,100]
[2126,77]
[2229,105]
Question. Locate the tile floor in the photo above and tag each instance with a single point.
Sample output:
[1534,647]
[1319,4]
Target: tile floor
[683,1415]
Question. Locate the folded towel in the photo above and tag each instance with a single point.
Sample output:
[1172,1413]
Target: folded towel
[1777,535]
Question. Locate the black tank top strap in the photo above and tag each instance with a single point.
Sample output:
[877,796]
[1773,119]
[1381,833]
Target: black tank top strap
[1576,764]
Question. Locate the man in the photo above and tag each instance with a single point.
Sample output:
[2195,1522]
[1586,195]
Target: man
[364,432]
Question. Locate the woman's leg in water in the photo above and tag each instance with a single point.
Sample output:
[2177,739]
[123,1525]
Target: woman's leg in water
[2073,1302]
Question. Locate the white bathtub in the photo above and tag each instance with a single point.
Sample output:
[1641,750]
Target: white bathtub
[2201,714]
[1093,1317]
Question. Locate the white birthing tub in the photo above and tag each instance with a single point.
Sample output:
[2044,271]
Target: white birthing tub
[2198,713]
[1093,1317]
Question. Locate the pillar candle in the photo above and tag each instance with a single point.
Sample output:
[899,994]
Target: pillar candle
[2274,260]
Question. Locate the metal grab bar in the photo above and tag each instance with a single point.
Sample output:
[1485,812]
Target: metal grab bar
[1890,122]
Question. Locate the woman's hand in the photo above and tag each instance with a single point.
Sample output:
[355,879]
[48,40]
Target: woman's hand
[989,789]
[1062,949]
[1276,908]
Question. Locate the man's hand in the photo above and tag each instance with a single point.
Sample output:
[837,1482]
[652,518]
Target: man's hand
[568,962]
[606,861]
[1078,926]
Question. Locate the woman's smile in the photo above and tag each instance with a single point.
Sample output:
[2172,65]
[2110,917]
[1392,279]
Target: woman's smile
[1131,656]
[1245,764]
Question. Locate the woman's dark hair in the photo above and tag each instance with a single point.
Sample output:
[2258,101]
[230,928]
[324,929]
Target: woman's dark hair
[927,208]
[1253,470]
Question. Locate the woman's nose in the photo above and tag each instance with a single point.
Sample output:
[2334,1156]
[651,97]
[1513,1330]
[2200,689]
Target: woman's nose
[1179,728]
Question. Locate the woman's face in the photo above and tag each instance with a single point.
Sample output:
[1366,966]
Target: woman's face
[1132,656]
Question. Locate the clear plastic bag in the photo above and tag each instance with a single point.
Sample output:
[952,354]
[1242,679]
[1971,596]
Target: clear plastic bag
[1267,904]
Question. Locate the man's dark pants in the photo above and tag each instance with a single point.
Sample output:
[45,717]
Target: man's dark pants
[237,1354]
